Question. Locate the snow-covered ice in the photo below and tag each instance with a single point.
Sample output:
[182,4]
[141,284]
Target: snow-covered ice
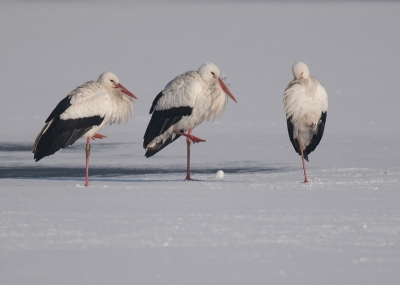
[139,222]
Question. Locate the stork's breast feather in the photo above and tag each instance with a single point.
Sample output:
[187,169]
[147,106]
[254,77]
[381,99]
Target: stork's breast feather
[296,101]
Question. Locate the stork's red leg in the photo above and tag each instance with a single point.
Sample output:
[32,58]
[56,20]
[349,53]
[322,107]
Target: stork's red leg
[189,137]
[188,142]
[87,161]
[302,157]
[98,136]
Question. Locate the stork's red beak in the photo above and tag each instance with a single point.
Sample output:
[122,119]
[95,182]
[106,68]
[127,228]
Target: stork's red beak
[226,90]
[126,91]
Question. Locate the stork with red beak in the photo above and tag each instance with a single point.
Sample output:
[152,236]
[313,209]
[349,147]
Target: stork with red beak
[83,113]
[184,103]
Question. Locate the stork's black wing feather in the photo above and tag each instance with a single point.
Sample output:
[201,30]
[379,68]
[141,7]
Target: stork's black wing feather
[318,136]
[60,108]
[152,151]
[162,120]
[58,133]
[155,102]
[294,142]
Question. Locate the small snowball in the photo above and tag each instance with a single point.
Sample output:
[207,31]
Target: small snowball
[219,174]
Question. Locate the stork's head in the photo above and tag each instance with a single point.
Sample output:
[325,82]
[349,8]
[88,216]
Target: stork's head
[110,80]
[300,70]
[209,72]
[212,76]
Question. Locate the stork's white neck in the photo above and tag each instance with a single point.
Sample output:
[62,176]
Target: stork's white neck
[218,103]
[122,107]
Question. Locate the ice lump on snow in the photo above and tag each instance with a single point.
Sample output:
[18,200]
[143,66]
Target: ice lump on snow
[219,174]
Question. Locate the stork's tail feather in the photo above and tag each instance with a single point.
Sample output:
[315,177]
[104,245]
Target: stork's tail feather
[305,156]
[152,151]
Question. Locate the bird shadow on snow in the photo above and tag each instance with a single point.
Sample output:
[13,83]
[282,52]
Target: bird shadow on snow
[141,173]
[123,174]
[24,147]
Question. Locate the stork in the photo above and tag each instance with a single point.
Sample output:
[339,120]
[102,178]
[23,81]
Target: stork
[183,104]
[306,105]
[83,113]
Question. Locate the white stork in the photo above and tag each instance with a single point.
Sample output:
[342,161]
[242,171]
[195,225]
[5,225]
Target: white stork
[306,105]
[185,102]
[83,113]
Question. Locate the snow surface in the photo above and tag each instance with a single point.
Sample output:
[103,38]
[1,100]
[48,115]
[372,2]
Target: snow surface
[138,222]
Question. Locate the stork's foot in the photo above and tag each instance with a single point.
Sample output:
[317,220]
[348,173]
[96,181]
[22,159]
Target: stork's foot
[193,138]
[98,136]
[305,180]
[190,179]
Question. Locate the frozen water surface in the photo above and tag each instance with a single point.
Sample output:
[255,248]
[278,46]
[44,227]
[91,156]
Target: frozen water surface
[138,222]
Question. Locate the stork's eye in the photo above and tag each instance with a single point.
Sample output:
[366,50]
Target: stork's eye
[112,80]
[213,74]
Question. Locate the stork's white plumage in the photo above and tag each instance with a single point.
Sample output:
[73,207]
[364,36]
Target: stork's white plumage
[185,102]
[306,105]
[83,113]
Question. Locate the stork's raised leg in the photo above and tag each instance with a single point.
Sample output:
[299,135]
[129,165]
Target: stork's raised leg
[302,157]
[98,136]
[189,135]
[87,160]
